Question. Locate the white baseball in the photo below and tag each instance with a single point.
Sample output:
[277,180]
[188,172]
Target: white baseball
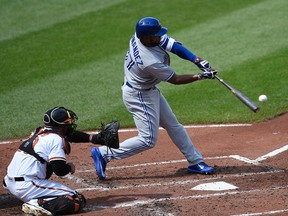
[263,98]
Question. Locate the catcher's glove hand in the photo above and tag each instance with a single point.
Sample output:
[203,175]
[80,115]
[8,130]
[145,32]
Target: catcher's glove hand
[109,134]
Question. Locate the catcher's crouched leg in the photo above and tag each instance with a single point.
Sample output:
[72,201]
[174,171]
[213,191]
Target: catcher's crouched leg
[64,204]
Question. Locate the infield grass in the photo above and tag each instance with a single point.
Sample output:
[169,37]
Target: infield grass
[70,53]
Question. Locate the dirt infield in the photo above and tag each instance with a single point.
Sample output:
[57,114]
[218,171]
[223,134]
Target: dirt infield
[252,158]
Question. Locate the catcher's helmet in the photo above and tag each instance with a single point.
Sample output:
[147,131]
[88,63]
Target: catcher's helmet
[149,26]
[60,116]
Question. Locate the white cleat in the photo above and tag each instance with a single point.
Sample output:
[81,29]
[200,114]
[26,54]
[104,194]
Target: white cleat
[35,210]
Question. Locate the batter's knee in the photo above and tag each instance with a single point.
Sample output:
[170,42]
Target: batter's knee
[150,141]
[64,204]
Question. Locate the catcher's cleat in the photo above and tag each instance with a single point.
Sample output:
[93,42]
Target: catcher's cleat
[37,210]
[99,163]
[201,168]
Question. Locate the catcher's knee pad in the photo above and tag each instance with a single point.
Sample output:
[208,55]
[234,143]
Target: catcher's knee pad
[64,204]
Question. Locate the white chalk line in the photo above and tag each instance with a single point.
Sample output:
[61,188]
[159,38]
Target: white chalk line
[263,213]
[273,153]
[262,158]
[203,196]
[134,130]
[102,187]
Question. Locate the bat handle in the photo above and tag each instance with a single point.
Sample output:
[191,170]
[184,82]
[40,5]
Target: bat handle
[218,78]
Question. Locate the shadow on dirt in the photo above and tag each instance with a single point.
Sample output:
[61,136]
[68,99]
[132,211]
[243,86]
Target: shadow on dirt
[99,203]
[9,201]
[243,169]
[156,175]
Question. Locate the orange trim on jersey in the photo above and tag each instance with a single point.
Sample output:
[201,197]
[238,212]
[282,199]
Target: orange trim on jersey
[35,142]
[66,146]
[43,135]
[66,149]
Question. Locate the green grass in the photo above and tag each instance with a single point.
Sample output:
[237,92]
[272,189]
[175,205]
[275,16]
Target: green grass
[71,54]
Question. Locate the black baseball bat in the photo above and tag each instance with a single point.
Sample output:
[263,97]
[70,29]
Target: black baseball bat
[243,98]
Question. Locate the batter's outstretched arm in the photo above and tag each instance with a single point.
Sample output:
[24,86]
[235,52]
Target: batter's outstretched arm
[184,53]
[189,78]
[183,79]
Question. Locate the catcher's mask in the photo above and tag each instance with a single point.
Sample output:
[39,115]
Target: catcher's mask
[60,116]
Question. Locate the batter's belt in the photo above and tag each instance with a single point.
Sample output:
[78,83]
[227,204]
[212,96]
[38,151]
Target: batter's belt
[129,85]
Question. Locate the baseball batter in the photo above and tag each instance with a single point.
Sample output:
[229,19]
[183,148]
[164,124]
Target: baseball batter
[147,64]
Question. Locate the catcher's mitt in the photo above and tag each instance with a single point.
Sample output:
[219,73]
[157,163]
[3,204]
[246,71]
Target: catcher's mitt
[109,134]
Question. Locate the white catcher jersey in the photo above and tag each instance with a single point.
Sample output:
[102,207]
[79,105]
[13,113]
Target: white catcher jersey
[49,146]
[145,67]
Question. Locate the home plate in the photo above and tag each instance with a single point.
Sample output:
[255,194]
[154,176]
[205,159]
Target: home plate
[215,186]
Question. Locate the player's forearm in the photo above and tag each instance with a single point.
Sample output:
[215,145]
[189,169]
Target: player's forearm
[78,136]
[183,79]
[82,137]
[183,52]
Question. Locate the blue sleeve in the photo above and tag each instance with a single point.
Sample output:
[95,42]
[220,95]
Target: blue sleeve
[182,52]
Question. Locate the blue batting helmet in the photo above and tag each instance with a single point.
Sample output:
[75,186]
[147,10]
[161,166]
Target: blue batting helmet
[149,26]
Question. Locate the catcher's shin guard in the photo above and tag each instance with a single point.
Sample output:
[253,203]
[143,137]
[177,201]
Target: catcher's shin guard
[64,204]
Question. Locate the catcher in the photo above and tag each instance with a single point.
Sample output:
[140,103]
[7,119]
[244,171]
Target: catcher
[43,154]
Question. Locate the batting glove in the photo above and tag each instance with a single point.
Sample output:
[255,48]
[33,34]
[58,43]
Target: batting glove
[207,75]
[203,65]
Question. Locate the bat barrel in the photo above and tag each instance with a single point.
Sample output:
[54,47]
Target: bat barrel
[244,99]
